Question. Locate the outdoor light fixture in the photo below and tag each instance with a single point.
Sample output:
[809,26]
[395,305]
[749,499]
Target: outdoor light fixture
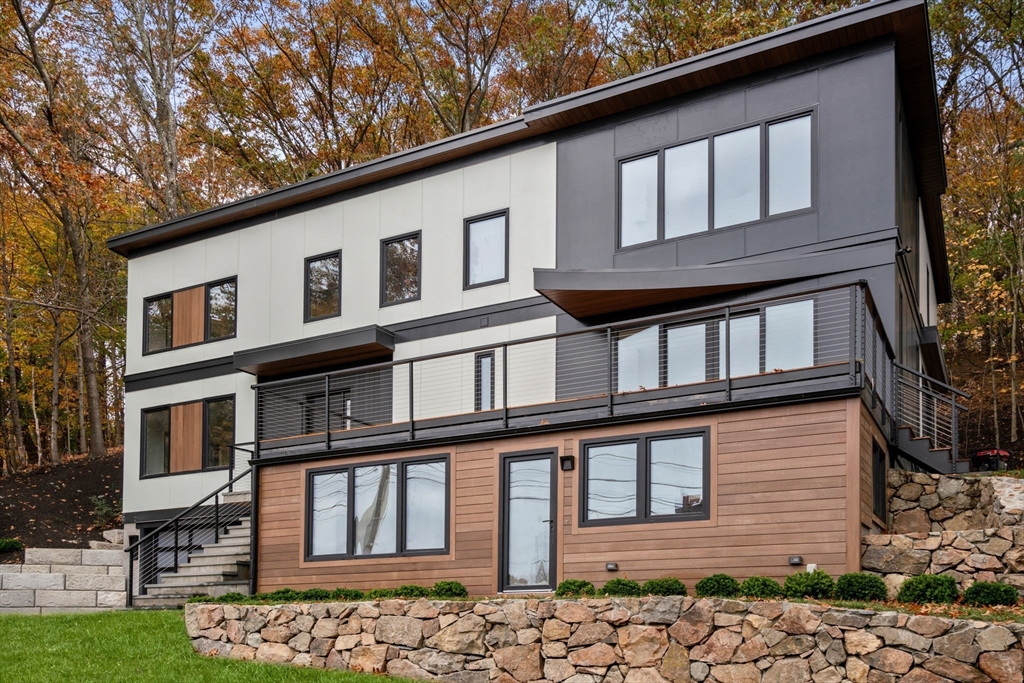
[796,560]
[568,463]
[611,566]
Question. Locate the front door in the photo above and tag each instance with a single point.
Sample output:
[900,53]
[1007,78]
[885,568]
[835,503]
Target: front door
[527,522]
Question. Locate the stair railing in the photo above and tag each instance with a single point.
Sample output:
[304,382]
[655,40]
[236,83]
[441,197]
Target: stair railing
[165,548]
[930,408]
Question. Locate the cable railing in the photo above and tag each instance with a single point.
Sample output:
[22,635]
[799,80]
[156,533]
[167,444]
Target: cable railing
[722,353]
[167,548]
[930,408]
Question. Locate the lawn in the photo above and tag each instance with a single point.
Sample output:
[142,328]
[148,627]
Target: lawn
[132,647]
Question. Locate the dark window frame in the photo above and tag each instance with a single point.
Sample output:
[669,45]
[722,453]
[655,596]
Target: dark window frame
[418,234]
[466,225]
[205,428]
[503,517]
[206,431]
[146,351]
[306,317]
[763,215]
[478,383]
[401,465]
[643,502]
[207,339]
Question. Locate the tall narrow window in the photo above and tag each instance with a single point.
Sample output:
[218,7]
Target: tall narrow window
[426,505]
[329,534]
[159,323]
[221,310]
[637,352]
[323,286]
[611,481]
[789,165]
[220,432]
[484,381]
[486,244]
[676,475]
[738,177]
[156,445]
[789,336]
[400,265]
[638,212]
[686,189]
[376,503]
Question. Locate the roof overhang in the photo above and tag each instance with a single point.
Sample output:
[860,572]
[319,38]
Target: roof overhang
[591,293]
[905,20]
[314,353]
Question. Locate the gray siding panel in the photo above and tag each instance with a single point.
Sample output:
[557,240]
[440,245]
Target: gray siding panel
[586,201]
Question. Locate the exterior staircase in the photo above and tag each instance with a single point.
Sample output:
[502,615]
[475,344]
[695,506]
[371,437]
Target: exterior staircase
[214,569]
[920,449]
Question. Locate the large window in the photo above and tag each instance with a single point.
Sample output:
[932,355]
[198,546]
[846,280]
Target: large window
[769,339]
[394,508]
[400,269]
[220,310]
[728,179]
[323,286]
[188,437]
[159,325]
[647,478]
[486,244]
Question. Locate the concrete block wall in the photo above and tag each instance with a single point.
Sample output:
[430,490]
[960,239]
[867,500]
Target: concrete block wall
[63,580]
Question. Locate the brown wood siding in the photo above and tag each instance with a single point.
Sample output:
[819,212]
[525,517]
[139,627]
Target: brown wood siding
[869,434]
[779,480]
[187,437]
[189,317]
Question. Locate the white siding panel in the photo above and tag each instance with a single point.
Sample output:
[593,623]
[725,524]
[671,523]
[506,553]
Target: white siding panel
[286,279]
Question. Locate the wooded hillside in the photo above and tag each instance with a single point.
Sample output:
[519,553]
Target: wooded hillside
[119,113]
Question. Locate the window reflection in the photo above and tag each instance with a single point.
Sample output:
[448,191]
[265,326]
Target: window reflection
[220,307]
[402,270]
[330,514]
[376,498]
[686,189]
[677,475]
[159,322]
[220,432]
[789,165]
[686,349]
[529,523]
[639,201]
[637,352]
[744,346]
[611,481]
[323,283]
[425,505]
[789,336]
[737,177]
[486,257]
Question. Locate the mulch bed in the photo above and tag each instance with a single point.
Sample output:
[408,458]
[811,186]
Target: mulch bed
[52,506]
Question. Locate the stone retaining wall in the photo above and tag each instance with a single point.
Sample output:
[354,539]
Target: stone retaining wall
[932,502]
[63,580]
[613,640]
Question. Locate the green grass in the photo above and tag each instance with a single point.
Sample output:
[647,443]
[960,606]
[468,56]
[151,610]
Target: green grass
[128,646]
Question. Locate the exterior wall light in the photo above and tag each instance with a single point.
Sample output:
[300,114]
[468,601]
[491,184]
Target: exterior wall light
[568,463]
[611,566]
[796,560]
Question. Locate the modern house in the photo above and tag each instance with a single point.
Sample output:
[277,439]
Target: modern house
[677,324]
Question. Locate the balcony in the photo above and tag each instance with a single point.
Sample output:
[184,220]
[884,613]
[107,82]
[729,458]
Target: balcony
[818,343]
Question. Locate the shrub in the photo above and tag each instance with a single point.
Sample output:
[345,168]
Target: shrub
[761,587]
[104,512]
[667,586]
[817,585]
[574,588]
[281,595]
[717,586]
[449,589]
[624,588]
[928,588]
[412,591]
[861,586]
[989,593]
[348,594]
[381,594]
[10,544]
[315,595]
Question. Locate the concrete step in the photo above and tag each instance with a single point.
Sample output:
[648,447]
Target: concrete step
[103,545]
[233,568]
[211,559]
[201,579]
[210,588]
[159,601]
[237,497]
[229,541]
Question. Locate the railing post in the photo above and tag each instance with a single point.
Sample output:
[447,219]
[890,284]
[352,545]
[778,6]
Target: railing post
[131,577]
[412,422]
[954,451]
[327,412]
[728,353]
[175,546]
[231,469]
[216,519]
[504,386]
[611,404]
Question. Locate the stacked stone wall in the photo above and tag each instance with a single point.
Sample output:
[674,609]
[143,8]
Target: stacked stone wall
[63,580]
[613,640]
[932,502]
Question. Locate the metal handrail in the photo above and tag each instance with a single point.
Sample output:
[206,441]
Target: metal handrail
[931,379]
[180,515]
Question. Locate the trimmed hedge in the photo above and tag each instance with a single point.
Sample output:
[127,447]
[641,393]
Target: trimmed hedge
[448,589]
[442,590]
[717,586]
[817,585]
[861,586]
[574,588]
[990,593]
[621,588]
[666,586]
[928,588]
[761,587]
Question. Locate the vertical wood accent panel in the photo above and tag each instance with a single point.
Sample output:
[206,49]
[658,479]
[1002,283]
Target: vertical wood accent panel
[779,487]
[189,317]
[187,437]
